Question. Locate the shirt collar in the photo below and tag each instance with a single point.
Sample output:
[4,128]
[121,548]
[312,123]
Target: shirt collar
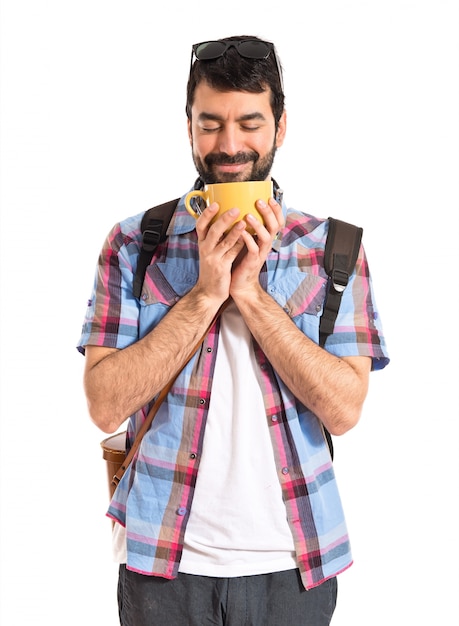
[182,222]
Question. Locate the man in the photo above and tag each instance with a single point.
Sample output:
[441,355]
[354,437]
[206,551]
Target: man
[229,513]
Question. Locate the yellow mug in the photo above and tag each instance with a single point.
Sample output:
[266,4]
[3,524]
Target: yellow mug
[240,195]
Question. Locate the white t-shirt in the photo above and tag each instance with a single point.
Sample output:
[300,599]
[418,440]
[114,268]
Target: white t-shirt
[237,524]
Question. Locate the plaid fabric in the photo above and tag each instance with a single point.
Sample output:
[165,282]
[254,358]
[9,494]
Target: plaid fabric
[154,497]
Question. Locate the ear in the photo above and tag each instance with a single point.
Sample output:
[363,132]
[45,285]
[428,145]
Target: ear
[281,129]
[190,135]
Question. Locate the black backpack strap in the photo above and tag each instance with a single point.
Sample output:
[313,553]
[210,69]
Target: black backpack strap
[154,228]
[341,251]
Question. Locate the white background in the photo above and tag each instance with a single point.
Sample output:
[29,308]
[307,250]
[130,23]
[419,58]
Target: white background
[93,130]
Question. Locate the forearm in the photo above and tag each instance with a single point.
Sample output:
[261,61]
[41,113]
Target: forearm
[329,386]
[123,381]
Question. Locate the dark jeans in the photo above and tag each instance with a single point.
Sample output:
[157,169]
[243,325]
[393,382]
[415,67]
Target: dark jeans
[266,600]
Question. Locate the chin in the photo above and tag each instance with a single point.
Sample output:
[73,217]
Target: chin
[234,178]
[230,177]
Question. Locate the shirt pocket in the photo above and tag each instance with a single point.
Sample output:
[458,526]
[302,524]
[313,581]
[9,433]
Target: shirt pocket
[163,286]
[302,296]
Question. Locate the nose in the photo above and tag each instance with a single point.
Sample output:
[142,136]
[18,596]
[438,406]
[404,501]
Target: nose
[230,140]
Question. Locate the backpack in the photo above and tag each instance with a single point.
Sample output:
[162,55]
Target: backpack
[341,251]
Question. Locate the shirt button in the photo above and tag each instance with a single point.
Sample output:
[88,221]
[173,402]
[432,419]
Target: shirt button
[181,511]
[318,307]
[209,349]
[192,455]
[285,470]
[202,401]
[144,297]
[274,418]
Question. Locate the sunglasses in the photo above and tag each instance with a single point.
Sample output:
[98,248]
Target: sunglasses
[247,48]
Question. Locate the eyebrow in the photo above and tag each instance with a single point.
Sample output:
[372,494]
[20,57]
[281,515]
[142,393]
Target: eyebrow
[206,117]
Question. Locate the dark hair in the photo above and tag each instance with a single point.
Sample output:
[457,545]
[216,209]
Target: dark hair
[232,72]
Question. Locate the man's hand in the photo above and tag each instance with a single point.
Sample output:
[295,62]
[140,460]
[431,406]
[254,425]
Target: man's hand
[245,275]
[218,251]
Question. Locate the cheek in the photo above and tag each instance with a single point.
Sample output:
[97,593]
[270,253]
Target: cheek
[203,145]
[263,145]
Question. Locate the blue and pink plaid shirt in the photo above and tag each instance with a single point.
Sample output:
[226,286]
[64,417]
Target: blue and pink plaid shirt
[155,495]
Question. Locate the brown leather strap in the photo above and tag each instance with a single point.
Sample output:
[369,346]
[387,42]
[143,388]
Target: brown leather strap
[162,395]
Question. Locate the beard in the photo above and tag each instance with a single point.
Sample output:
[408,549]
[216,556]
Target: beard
[261,166]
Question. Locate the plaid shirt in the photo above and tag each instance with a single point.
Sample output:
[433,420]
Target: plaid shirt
[155,495]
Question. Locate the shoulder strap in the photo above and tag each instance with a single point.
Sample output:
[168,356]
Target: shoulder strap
[154,228]
[341,251]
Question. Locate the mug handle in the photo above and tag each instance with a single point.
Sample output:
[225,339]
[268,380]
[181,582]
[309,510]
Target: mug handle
[189,196]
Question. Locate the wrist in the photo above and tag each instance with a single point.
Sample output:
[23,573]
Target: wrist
[249,296]
[205,302]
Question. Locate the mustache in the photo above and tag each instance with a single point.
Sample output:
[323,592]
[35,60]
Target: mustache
[236,159]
